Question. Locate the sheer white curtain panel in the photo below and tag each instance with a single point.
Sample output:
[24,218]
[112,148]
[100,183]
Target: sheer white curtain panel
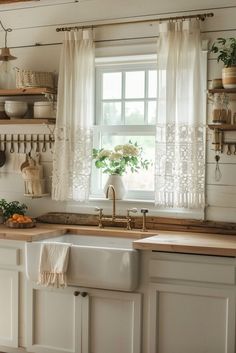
[180,130]
[75,114]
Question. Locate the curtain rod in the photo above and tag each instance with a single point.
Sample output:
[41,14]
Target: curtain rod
[201,17]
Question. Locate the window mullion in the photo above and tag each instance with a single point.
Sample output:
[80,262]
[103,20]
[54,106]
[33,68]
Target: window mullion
[146,99]
[123,97]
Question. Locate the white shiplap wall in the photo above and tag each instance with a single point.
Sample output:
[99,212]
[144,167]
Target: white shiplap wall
[32,27]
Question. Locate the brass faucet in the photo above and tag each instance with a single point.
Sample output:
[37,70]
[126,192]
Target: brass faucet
[111,187]
[113,218]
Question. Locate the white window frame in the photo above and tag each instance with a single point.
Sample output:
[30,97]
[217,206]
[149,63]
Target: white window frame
[122,205]
[125,65]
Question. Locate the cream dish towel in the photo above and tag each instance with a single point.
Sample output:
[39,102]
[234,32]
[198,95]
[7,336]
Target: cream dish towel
[53,264]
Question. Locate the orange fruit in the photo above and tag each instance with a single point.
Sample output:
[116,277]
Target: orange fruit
[15,216]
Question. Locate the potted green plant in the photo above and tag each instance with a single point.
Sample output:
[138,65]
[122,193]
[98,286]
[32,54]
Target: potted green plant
[10,208]
[225,48]
[117,162]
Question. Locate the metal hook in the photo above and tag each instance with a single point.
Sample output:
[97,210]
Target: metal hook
[44,144]
[12,144]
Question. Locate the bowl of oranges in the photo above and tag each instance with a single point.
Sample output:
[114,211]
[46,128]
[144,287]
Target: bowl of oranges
[20,221]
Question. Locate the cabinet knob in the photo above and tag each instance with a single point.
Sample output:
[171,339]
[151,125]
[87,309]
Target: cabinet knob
[84,294]
[76,293]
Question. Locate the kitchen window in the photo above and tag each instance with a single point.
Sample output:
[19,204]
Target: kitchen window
[126,100]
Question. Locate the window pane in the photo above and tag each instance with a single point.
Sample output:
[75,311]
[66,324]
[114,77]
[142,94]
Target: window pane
[112,85]
[152,111]
[134,113]
[152,83]
[134,84]
[144,179]
[111,113]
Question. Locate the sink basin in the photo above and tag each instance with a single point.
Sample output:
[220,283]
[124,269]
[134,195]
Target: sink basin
[95,261]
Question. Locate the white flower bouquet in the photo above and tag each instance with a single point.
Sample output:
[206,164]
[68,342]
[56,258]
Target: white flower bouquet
[121,158]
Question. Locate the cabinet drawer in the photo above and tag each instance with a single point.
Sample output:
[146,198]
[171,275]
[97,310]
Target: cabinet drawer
[202,272]
[9,256]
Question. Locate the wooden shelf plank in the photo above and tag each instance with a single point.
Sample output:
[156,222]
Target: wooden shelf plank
[222,90]
[223,127]
[26,121]
[26,91]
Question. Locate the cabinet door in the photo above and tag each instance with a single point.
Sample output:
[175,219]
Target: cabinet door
[113,322]
[9,308]
[54,320]
[185,319]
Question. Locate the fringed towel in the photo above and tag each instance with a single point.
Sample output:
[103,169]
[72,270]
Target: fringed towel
[53,264]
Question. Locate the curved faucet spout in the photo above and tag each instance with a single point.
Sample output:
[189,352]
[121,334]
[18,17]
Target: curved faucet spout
[111,187]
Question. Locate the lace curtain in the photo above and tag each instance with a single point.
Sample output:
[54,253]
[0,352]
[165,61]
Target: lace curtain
[73,133]
[180,133]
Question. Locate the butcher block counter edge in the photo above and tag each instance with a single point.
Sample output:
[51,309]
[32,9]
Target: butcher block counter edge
[190,243]
[45,231]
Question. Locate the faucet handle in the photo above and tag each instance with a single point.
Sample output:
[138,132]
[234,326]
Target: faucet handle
[133,210]
[98,209]
[144,211]
[100,216]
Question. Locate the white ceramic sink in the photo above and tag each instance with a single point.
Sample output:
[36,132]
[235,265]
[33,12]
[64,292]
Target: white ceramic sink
[95,261]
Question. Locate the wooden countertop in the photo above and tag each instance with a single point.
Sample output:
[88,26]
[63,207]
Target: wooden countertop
[169,241]
[46,230]
[191,243]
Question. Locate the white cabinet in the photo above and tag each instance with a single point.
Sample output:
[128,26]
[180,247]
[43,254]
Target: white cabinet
[192,304]
[192,319]
[8,308]
[9,294]
[75,320]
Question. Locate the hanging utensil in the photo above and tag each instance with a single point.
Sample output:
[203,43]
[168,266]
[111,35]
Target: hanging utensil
[2,152]
[31,144]
[50,141]
[12,144]
[218,173]
[25,144]
[18,143]
[37,144]
[44,144]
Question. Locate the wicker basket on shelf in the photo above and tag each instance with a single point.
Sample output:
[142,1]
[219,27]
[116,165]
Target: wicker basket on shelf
[28,78]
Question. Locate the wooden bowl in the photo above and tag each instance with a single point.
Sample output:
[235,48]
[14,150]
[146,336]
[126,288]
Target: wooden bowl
[11,224]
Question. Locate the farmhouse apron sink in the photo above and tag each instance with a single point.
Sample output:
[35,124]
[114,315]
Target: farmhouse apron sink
[95,261]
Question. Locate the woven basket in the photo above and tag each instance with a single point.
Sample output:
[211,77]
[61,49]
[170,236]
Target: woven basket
[28,78]
[11,224]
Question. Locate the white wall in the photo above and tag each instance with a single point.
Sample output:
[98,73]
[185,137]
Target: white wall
[37,25]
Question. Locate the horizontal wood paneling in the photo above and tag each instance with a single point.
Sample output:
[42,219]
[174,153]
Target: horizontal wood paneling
[220,195]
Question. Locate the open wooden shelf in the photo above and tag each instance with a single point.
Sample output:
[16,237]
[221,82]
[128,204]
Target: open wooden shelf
[27,121]
[222,90]
[223,127]
[26,91]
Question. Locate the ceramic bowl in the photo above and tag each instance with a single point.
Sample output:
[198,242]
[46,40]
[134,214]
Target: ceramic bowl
[16,109]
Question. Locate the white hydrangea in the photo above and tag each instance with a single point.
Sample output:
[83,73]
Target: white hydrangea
[104,153]
[114,156]
[130,150]
[118,148]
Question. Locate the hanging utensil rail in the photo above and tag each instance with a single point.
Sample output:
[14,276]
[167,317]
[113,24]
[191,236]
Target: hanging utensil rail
[22,142]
